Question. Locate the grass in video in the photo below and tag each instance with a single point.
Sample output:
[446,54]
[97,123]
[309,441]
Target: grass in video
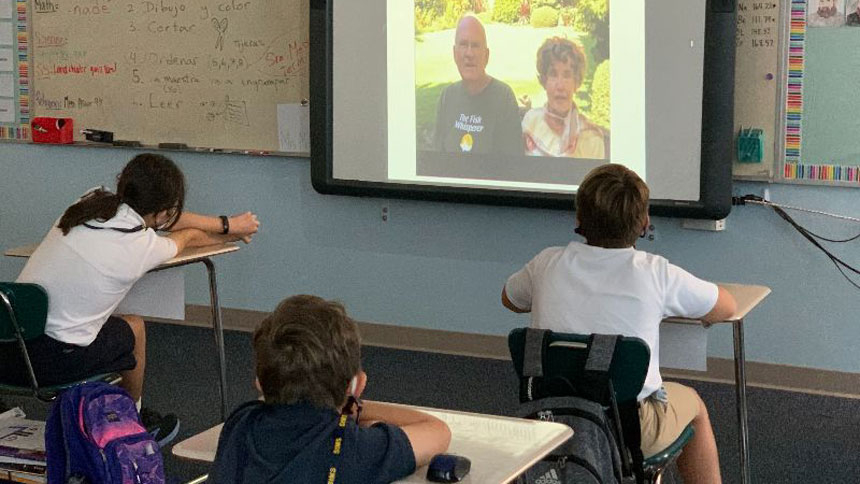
[553,55]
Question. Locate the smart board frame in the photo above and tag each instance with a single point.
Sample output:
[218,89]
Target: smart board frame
[716,143]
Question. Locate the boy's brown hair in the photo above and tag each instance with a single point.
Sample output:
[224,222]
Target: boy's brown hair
[307,350]
[612,206]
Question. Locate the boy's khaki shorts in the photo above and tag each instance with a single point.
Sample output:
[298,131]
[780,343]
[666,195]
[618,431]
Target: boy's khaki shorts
[662,423]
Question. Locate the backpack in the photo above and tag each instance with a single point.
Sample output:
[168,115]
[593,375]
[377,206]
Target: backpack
[597,453]
[590,457]
[94,435]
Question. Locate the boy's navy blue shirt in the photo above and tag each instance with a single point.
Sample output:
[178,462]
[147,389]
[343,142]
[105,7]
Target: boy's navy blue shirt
[293,443]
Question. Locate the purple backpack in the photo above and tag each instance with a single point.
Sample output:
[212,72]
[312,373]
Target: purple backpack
[94,435]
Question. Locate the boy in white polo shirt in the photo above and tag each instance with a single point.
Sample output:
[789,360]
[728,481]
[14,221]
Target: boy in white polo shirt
[607,286]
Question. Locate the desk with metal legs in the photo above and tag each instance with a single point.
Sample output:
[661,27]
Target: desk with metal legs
[500,448]
[747,297]
[193,255]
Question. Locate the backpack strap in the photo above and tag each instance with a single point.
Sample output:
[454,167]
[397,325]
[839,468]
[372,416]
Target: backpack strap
[628,414]
[601,351]
[533,351]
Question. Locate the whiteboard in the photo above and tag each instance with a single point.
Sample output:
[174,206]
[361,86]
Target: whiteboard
[202,73]
[758,77]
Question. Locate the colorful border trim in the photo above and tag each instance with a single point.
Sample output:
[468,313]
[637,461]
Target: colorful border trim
[831,173]
[20,130]
[794,86]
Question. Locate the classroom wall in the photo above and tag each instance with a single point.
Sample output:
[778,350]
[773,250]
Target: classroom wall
[439,265]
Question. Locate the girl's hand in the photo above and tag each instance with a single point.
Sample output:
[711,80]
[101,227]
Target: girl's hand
[244,225]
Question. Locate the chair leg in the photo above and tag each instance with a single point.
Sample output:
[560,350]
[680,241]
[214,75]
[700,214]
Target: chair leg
[655,475]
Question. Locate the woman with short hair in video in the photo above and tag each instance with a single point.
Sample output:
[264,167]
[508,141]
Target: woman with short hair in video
[558,128]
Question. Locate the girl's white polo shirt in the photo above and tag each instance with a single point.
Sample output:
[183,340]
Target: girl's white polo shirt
[88,272]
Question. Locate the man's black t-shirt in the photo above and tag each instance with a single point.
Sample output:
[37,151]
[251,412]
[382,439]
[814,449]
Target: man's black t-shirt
[487,122]
[293,443]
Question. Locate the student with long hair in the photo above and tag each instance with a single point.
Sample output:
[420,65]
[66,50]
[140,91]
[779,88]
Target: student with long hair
[89,261]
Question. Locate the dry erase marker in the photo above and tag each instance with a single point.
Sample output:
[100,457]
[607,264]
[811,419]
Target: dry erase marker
[173,146]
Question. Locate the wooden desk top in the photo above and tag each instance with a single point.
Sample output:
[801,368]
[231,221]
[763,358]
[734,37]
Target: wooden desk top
[187,256]
[747,297]
[500,448]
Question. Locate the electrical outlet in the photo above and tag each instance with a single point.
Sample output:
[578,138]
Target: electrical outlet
[385,213]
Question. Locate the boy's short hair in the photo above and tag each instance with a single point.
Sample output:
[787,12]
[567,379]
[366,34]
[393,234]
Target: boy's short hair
[561,49]
[307,350]
[612,206]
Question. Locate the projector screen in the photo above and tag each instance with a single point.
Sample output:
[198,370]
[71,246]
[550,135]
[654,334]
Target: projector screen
[415,99]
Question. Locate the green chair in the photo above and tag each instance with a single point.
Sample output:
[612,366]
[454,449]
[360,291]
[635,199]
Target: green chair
[22,319]
[563,359]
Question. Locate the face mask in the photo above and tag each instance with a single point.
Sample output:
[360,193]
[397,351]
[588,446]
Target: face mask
[353,384]
[353,404]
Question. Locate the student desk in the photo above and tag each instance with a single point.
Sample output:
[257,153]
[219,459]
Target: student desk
[193,255]
[500,448]
[747,298]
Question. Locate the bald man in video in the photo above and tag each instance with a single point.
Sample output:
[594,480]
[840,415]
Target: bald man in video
[477,114]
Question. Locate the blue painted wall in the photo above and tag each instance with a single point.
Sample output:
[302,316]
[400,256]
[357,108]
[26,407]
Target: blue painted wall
[437,265]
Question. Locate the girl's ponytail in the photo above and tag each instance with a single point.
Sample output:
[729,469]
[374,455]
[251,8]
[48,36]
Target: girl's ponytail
[99,204]
[149,184]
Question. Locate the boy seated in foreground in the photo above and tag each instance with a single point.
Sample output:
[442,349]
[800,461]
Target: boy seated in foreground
[606,286]
[307,429]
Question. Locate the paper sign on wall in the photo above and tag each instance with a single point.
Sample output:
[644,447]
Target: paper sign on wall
[7,111]
[6,60]
[157,295]
[7,85]
[6,31]
[684,346]
[294,128]
[6,9]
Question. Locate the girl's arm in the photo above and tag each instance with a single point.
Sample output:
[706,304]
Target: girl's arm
[198,238]
[244,224]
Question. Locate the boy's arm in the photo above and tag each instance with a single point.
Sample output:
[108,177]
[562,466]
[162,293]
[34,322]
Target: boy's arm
[427,434]
[243,224]
[508,304]
[198,238]
[723,309]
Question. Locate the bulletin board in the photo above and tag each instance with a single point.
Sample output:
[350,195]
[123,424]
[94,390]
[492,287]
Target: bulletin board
[812,129]
[14,70]
[822,129]
[216,75]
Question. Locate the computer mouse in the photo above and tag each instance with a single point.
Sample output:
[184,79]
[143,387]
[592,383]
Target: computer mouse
[448,468]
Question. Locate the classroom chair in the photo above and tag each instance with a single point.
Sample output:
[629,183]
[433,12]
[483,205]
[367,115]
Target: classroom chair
[22,319]
[563,358]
